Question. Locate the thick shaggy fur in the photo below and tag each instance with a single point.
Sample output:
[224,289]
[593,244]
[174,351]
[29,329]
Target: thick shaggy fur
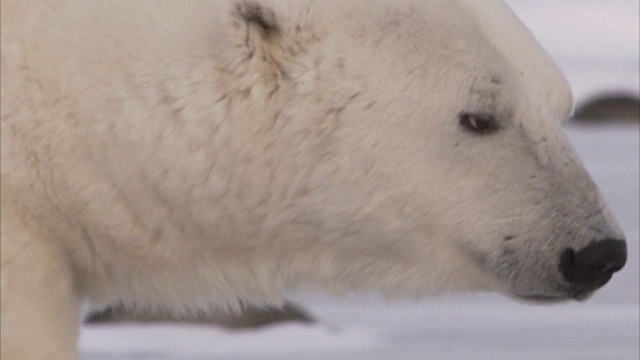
[190,154]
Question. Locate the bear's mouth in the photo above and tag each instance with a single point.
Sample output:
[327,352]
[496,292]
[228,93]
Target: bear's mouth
[558,293]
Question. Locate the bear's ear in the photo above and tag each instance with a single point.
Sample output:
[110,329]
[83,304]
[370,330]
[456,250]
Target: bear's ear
[269,38]
[257,20]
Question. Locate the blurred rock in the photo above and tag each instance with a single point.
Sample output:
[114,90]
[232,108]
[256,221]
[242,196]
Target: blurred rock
[250,317]
[609,107]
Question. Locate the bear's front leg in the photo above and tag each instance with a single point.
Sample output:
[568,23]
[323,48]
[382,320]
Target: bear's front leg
[40,309]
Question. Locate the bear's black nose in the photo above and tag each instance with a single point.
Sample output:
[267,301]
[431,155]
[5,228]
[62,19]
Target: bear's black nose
[593,266]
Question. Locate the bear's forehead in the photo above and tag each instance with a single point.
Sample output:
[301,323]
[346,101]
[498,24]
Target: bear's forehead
[422,36]
[533,67]
[482,40]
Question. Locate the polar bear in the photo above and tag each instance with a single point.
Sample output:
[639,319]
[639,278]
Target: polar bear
[190,155]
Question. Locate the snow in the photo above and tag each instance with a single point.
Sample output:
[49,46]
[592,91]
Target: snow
[596,44]
[206,342]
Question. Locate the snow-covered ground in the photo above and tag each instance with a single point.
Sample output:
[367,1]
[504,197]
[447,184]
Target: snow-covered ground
[596,44]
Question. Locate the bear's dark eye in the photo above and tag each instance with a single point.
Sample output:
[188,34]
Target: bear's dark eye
[478,123]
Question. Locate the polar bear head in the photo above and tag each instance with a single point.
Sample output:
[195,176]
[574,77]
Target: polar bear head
[423,147]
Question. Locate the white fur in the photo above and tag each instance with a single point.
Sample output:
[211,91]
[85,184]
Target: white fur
[196,154]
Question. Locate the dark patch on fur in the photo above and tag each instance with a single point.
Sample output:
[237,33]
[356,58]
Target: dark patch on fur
[250,317]
[256,14]
[509,237]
